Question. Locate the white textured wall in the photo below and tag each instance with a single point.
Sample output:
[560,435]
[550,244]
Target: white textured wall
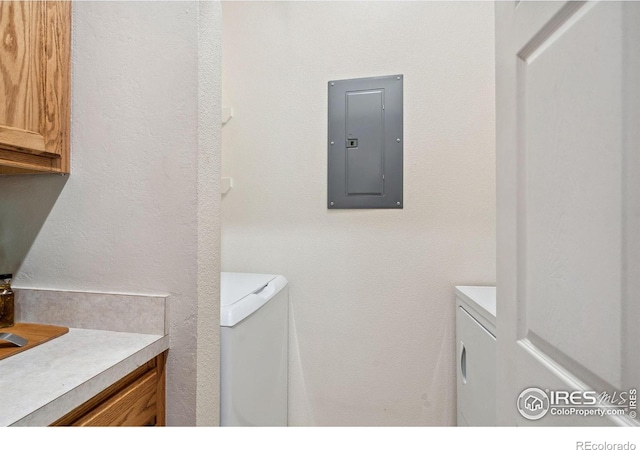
[371,290]
[209,166]
[129,217]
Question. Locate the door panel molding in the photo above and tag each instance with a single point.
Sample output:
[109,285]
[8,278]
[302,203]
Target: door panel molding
[568,199]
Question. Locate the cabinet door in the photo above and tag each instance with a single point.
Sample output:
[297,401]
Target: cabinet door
[137,399]
[34,86]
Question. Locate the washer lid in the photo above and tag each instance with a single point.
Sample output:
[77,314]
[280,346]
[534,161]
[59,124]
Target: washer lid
[241,294]
[483,296]
[482,300]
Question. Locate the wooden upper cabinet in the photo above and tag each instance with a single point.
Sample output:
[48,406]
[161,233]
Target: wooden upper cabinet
[35,73]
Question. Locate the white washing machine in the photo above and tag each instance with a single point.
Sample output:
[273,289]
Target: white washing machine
[476,355]
[253,349]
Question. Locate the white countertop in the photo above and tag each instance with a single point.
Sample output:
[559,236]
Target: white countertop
[42,384]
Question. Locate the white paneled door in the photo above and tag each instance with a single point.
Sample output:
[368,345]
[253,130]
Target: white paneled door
[568,167]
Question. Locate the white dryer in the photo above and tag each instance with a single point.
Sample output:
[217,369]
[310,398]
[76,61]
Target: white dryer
[253,349]
[476,355]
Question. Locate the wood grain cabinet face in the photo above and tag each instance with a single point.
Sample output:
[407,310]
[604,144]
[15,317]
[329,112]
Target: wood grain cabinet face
[138,399]
[35,69]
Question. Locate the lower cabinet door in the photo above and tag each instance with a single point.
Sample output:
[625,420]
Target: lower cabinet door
[134,405]
[138,399]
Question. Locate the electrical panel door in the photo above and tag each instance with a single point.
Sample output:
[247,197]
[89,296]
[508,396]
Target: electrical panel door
[365,143]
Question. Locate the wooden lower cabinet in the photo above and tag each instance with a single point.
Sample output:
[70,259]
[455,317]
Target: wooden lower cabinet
[138,399]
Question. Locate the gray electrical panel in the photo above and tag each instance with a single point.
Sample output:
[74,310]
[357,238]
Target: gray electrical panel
[365,143]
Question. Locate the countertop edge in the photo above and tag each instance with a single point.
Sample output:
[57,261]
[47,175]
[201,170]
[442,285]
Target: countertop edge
[67,402]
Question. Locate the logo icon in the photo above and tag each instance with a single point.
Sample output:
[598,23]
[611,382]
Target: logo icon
[533,403]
